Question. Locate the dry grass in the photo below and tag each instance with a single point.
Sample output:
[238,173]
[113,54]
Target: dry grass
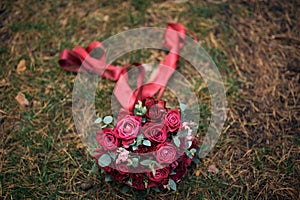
[255,45]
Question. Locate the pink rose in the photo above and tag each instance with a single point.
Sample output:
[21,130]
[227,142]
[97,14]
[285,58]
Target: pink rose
[122,168]
[166,153]
[107,139]
[173,120]
[159,175]
[155,132]
[127,129]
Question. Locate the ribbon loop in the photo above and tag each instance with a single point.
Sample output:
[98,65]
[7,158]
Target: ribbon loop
[93,60]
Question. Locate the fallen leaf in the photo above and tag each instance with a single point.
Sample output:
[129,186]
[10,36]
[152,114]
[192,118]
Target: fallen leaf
[213,40]
[106,18]
[198,172]
[21,66]
[86,186]
[213,169]
[3,83]
[21,99]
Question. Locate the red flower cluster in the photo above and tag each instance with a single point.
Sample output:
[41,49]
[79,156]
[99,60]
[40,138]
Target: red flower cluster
[153,131]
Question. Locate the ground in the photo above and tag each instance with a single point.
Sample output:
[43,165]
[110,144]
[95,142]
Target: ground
[255,45]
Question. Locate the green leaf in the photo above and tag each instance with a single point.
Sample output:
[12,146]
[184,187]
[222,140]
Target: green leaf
[158,165]
[183,133]
[108,119]
[134,148]
[108,178]
[94,169]
[98,120]
[172,173]
[140,137]
[135,162]
[112,155]
[146,162]
[182,107]
[125,189]
[193,151]
[104,160]
[172,184]
[156,189]
[130,182]
[104,126]
[146,183]
[152,169]
[176,141]
[147,143]
[196,160]
[188,154]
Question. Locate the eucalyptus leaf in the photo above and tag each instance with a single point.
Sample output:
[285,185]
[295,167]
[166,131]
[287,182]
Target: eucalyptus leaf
[98,120]
[176,141]
[156,189]
[104,160]
[182,107]
[125,189]
[147,143]
[172,173]
[130,182]
[108,119]
[104,126]
[108,178]
[188,154]
[158,165]
[135,162]
[172,184]
[146,162]
[134,148]
[193,150]
[112,155]
[183,133]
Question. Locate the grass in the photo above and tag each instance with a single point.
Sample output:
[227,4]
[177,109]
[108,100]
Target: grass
[41,155]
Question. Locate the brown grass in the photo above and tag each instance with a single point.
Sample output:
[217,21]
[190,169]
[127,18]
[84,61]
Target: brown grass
[254,43]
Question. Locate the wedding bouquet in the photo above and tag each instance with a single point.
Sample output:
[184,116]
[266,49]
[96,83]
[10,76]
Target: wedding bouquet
[151,127]
[148,144]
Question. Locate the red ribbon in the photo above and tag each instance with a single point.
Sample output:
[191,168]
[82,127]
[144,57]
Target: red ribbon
[80,59]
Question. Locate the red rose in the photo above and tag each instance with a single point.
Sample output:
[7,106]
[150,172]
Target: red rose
[156,109]
[120,177]
[155,132]
[159,175]
[138,184]
[107,169]
[137,176]
[173,120]
[107,139]
[182,168]
[166,153]
[180,171]
[148,102]
[128,128]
